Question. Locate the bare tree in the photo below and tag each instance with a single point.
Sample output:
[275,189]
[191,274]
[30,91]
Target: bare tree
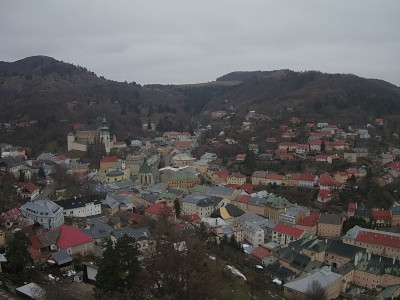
[316,291]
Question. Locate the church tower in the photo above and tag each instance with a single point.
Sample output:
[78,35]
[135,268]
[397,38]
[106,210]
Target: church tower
[105,135]
[145,175]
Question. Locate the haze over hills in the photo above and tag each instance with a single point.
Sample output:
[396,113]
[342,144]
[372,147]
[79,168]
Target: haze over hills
[47,90]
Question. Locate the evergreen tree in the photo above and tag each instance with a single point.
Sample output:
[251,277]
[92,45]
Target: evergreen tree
[177,207]
[17,255]
[41,173]
[118,269]
[149,124]
[21,177]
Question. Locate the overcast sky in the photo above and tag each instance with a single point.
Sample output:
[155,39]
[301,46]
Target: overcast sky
[171,41]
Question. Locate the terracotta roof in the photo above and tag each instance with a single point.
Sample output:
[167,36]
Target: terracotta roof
[11,214]
[28,186]
[316,142]
[71,236]
[260,252]
[381,214]
[352,207]
[289,230]
[233,186]
[307,177]
[324,194]
[191,218]
[108,159]
[378,239]
[244,198]
[274,176]
[309,221]
[159,209]
[35,244]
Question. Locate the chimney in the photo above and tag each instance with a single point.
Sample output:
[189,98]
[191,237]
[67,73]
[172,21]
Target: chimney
[356,259]
[369,256]
[380,258]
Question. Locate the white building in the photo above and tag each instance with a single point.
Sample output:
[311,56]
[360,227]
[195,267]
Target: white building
[81,207]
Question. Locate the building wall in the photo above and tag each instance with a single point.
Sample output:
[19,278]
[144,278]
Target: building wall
[80,212]
[259,210]
[329,230]
[84,249]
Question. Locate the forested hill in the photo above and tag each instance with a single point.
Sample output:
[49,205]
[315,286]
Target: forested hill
[49,91]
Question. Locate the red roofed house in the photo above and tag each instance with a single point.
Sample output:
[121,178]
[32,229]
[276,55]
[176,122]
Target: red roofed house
[159,211]
[284,234]
[382,217]
[106,162]
[27,190]
[242,202]
[194,218]
[74,240]
[379,122]
[263,255]
[288,134]
[351,209]
[240,157]
[273,178]
[8,218]
[374,241]
[119,145]
[315,145]
[309,224]
[308,180]
[324,196]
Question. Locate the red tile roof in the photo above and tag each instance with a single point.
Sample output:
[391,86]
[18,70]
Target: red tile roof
[35,244]
[159,209]
[108,159]
[289,230]
[260,253]
[11,214]
[29,186]
[309,221]
[71,236]
[35,254]
[274,176]
[352,207]
[307,177]
[244,198]
[378,239]
[381,214]
[324,194]
[191,218]
[233,186]
[222,174]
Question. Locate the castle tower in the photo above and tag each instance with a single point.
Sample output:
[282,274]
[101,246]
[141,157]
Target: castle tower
[105,135]
[145,175]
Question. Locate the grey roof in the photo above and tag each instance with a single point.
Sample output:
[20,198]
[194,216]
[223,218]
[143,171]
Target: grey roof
[151,197]
[352,233]
[257,201]
[251,226]
[209,201]
[260,174]
[330,219]
[221,190]
[62,257]
[49,238]
[194,198]
[97,229]
[323,276]
[248,216]
[121,199]
[396,210]
[110,202]
[44,208]
[157,188]
[32,290]
[342,249]
[134,233]
[266,223]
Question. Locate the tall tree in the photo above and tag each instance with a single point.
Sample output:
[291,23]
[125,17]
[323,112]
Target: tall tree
[41,173]
[17,255]
[177,207]
[118,269]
